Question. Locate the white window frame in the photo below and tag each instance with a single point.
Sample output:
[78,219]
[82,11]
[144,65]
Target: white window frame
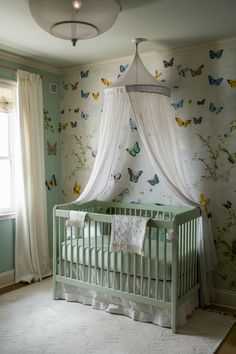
[9,213]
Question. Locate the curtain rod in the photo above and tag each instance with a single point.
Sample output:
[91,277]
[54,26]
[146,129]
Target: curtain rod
[12,69]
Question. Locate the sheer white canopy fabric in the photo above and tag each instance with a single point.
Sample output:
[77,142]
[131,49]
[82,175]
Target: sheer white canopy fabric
[31,245]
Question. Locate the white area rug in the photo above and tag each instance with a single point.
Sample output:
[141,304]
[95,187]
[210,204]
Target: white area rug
[31,322]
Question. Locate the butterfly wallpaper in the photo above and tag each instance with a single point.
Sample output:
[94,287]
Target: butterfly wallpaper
[203,106]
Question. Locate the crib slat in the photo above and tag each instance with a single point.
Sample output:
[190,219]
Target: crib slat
[157,261]
[164,268]
[196,254]
[102,255]
[128,271]
[77,256]
[59,247]
[191,253]
[149,261]
[65,242]
[96,252]
[114,270]
[134,276]
[108,262]
[89,251]
[187,256]
[141,281]
[121,270]
[71,253]
[182,260]
[83,248]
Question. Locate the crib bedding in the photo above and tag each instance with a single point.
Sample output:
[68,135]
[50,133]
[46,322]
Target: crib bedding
[77,252]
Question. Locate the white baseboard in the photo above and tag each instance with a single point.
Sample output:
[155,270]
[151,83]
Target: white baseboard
[7,278]
[225,298]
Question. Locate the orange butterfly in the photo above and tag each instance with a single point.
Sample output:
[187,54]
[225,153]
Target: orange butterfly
[198,71]
[96,95]
[62,126]
[182,123]
[106,82]
[232,83]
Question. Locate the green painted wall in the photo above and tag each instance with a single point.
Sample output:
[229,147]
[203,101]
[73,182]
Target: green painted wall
[52,162]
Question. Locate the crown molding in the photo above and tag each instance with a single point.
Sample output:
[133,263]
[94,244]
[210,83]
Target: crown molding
[19,59]
[227,42]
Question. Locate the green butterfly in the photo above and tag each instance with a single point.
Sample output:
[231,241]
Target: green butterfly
[133,151]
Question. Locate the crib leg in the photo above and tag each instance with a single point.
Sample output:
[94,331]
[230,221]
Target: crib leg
[173,321]
[54,289]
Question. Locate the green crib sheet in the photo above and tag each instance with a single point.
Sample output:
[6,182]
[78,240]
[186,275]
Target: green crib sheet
[74,250]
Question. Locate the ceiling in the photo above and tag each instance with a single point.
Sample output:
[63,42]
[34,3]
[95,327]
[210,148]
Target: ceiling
[167,24]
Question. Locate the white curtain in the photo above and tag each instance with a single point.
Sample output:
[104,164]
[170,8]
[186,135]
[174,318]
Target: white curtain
[153,117]
[31,245]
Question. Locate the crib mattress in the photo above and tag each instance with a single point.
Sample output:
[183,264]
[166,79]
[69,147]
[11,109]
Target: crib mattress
[72,251]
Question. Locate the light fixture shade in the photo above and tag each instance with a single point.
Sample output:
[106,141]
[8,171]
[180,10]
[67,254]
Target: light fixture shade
[63,20]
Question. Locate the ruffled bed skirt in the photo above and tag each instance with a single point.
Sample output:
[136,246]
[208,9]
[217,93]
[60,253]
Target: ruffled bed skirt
[136,311]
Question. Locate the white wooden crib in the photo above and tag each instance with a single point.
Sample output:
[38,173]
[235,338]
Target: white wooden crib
[165,277]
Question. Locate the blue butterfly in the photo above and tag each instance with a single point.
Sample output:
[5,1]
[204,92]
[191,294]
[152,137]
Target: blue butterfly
[168,63]
[213,81]
[65,85]
[214,54]
[182,71]
[133,125]
[197,120]
[84,74]
[123,68]
[73,124]
[177,105]
[84,115]
[84,94]
[214,109]
[154,180]
[133,151]
[134,176]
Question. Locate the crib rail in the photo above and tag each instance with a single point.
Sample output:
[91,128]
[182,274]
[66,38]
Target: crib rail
[164,277]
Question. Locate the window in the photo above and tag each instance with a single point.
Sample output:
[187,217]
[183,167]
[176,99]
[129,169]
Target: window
[7,160]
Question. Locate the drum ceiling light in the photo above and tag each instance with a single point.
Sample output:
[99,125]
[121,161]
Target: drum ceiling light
[75,19]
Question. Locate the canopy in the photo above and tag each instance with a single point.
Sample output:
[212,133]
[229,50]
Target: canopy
[139,93]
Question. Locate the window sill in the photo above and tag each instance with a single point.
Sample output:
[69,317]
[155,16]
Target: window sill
[9,215]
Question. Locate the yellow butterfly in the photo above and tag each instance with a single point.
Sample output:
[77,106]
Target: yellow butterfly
[62,126]
[157,74]
[232,83]
[96,95]
[182,123]
[204,202]
[198,71]
[106,82]
[76,188]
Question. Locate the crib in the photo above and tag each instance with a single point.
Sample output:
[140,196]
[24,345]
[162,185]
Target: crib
[165,277]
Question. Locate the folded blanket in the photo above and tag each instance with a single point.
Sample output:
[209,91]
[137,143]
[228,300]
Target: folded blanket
[128,233]
[76,219]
